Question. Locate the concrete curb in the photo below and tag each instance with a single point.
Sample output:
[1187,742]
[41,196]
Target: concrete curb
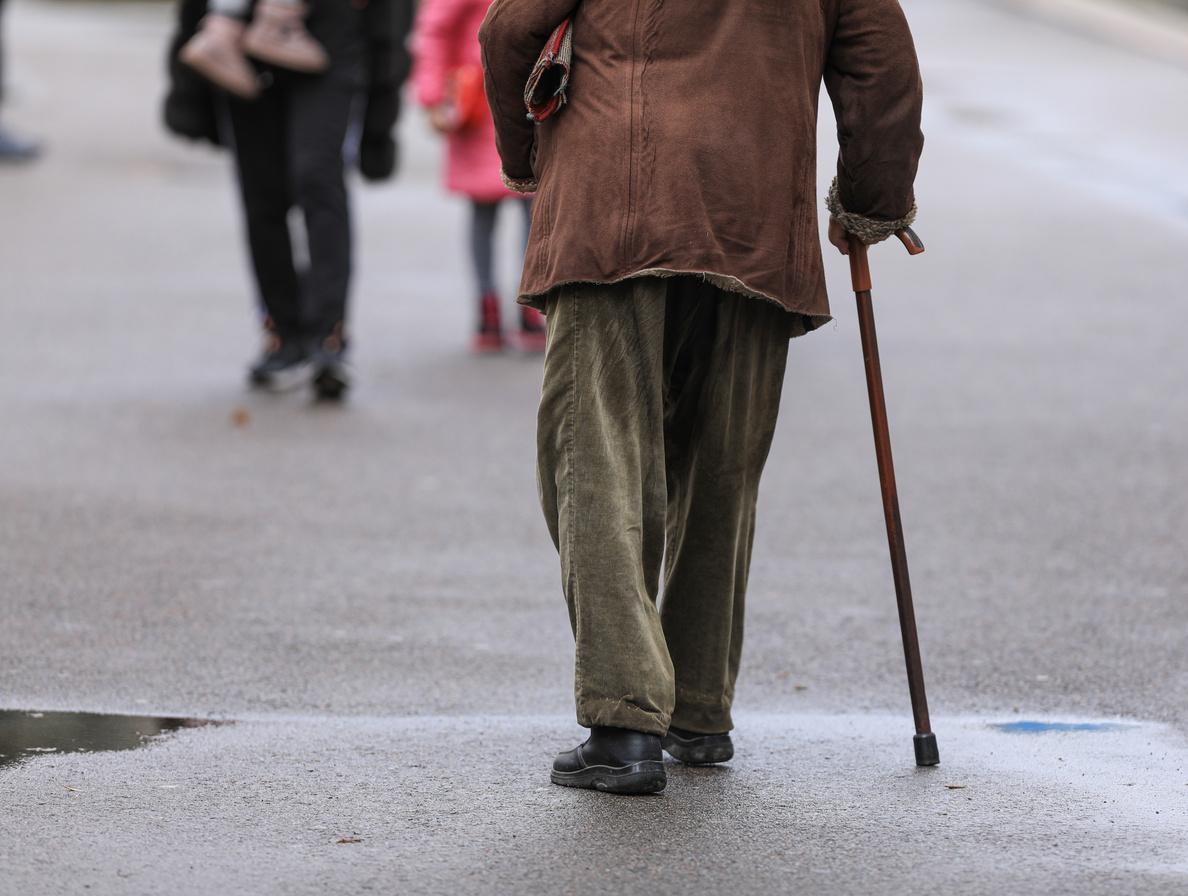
[1159,32]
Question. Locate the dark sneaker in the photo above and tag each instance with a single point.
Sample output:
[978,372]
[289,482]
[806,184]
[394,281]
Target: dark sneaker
[331,377]
[613,760]
[489,337]
[697,749]
[532,330]
[285,365]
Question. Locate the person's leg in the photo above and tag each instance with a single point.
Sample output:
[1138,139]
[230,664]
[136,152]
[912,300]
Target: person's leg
[532,325]
[489,333]
[525,204]
[319,113]
[261,155]
[600,450]
[482,244]
[262,162]
[723,392]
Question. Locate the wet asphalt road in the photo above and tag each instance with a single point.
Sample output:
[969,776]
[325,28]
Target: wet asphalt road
[369,593]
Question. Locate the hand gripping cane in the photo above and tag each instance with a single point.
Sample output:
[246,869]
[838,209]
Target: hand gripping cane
[924,741]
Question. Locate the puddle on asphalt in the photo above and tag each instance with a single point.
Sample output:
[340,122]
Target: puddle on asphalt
[1042,727]
[27,734]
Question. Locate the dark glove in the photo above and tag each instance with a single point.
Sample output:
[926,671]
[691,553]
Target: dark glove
[377,146]
[377,157]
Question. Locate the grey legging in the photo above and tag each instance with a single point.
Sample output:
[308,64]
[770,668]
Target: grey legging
[482,236]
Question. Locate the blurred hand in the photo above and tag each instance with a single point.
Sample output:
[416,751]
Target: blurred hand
[442,119]
[839,236]
[377,157]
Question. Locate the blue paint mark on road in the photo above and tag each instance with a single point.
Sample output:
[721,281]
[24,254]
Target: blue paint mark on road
[1042,727]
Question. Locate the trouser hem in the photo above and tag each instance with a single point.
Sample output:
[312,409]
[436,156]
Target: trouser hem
[702,722]
[621,714]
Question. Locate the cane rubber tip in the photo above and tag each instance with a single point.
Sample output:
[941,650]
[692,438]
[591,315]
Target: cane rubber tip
[926,750]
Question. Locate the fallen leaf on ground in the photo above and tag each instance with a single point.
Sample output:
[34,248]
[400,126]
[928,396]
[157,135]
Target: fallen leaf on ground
[955,786]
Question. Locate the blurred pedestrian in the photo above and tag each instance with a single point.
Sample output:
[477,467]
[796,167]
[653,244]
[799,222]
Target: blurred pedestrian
[289,145]
[675,252]
[13,148]
[448,78]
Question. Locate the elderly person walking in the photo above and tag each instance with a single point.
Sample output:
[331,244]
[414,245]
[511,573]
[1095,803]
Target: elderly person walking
[674,250]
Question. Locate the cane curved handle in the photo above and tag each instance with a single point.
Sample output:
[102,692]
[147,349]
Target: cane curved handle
[908,237]
[859,264]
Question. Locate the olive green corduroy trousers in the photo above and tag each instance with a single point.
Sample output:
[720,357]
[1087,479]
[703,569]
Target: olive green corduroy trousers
[657,412]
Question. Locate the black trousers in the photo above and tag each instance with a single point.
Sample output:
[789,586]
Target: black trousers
[289,153]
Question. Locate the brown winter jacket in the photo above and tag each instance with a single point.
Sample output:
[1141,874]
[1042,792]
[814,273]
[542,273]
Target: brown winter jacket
[689,140]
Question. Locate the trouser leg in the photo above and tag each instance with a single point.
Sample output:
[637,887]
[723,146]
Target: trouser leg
[482,244]
[658,409]
[600,453]
[726,360]
[262,159]
[319,112]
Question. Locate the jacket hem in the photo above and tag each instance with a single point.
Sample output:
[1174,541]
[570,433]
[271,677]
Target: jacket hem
[806,322]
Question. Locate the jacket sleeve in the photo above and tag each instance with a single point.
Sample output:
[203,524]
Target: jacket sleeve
[434,37]
[512,37]
[873,79]
[386,26]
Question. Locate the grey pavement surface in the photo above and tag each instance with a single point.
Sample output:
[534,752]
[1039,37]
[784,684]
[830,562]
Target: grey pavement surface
[368,594]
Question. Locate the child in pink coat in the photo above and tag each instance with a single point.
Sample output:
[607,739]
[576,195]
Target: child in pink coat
[447,75]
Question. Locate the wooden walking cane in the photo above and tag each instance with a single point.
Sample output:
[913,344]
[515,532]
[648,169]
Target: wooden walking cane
[924,741]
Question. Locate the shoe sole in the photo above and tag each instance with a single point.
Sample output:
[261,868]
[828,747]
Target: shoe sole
[330,384]
[700,751]
[283,381]
[638,778]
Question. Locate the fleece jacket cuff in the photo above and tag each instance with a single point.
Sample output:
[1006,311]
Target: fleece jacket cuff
[871,230]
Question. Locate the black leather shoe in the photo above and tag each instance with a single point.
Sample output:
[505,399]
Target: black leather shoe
[614,760]
[697,749]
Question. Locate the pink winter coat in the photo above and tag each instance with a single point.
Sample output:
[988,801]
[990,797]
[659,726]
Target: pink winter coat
[445,36]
